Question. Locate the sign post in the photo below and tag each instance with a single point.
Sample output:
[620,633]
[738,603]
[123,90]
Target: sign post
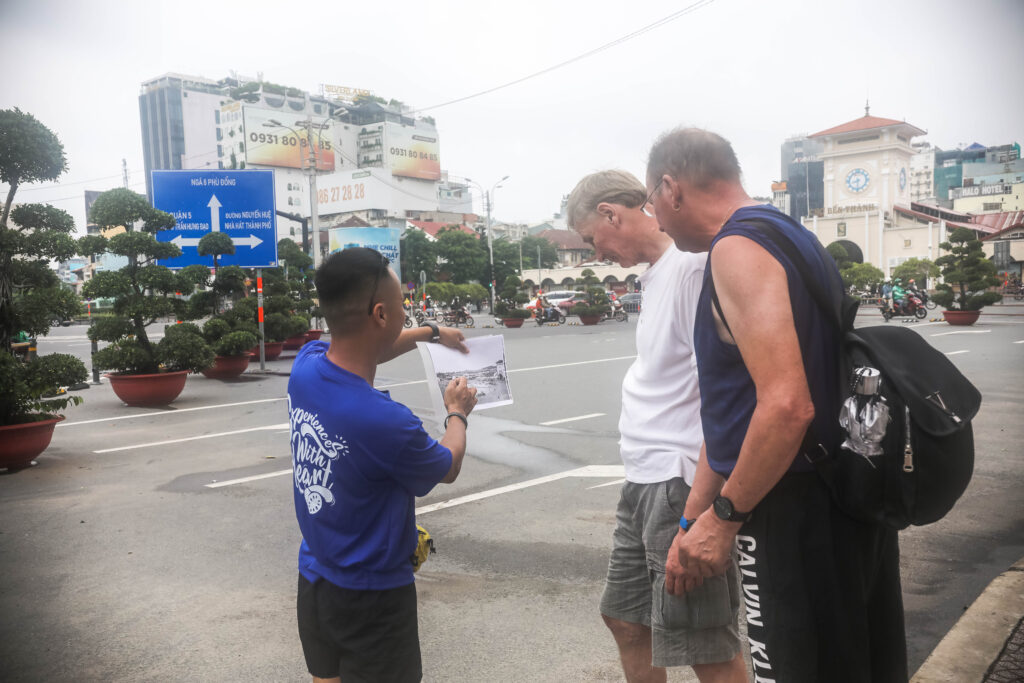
[259,305]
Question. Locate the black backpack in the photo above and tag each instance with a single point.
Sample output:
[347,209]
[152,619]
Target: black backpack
[928,450]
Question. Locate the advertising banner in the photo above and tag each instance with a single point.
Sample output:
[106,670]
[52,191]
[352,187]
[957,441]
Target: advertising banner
[270,144]
[414,152]
[384,240]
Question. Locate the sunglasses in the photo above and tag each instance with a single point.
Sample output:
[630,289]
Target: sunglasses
[646,207]
[376,281]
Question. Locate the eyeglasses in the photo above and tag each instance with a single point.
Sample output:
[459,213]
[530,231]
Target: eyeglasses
[376,281]
[650,198]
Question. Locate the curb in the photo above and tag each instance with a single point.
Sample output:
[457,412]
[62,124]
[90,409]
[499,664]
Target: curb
[978,637]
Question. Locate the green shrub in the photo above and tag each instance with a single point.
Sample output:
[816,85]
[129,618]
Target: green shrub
[215,329]
[596,303]
[30,389]
[235,343]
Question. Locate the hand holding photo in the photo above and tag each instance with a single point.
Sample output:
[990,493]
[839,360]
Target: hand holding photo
[483,367]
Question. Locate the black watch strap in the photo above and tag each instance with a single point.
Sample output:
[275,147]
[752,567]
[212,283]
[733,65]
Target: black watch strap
[724,508]
[435,334]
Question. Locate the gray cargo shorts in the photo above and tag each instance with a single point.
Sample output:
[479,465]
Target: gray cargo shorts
[696,628]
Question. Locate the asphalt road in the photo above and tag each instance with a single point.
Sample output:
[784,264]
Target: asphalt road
[120,561]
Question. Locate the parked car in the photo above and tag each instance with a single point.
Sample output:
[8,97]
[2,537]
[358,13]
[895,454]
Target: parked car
[631,302]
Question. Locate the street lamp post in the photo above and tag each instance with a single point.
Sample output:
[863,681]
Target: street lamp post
[488,194]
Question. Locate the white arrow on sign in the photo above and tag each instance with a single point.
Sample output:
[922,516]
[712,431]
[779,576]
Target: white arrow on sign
[183,242]
[214,213]
[252,241]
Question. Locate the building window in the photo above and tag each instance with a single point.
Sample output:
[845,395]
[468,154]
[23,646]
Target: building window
[840,229]
[906,244]
[991,206]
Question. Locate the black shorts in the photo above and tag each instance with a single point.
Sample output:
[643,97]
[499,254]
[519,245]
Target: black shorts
[822,590]
[370,636]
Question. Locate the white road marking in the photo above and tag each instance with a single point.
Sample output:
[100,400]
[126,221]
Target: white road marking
[946,334]
[589,471]
[156,413]
[1019,342]
[229,482]
[953,353]
[283,425]
[610,483]
[570,419]
[539,367]
[594,471]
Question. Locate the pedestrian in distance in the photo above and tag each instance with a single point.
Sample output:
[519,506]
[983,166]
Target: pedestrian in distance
[359,460]
[660,447]
[822,590]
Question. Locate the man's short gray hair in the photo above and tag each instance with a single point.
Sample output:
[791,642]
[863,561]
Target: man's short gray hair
[614,187]
[695,155]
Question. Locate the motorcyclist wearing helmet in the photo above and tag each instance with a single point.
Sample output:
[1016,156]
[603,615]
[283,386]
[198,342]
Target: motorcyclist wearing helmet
[899,294]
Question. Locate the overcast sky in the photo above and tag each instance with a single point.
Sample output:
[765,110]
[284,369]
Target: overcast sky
[754,71]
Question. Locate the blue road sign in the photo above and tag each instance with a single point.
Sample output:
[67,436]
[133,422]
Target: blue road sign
[238,203]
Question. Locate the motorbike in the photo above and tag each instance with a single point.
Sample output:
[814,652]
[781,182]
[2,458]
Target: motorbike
[911,306]
[925,299]
[456,317]
[616,313]
[550,315]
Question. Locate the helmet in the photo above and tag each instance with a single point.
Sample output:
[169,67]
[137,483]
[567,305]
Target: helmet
[897,281]
[911,280]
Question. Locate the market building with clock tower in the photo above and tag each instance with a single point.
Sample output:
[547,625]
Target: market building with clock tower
[866,167]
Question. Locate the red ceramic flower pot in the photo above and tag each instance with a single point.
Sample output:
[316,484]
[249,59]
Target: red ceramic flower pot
[590,319]
[292,343]
[313,335]
[961,317]
[148,391]
[21,443]
[228,367]
[512,322]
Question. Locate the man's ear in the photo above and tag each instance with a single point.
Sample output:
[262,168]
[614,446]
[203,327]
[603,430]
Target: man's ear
[675,191]
[608,213]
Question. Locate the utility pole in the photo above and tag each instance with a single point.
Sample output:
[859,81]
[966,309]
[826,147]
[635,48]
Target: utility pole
[314,208]
[490,246]
[539,278]
[124,172]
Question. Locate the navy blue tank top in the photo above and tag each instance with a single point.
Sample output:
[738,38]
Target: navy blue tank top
[726,388]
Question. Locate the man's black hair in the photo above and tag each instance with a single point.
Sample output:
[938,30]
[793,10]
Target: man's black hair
[344,285]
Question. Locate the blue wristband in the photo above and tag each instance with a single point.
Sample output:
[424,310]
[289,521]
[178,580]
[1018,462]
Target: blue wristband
[685,523]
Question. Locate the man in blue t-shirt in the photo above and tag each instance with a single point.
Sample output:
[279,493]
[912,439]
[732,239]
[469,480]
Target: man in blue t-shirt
[822,590]
[359,460]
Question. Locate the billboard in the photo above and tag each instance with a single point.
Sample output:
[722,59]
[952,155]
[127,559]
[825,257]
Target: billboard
[372,188]
[384,240]
[270,144]
[413,152]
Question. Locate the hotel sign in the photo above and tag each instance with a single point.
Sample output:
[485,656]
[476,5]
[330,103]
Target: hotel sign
[341,92]
[979,190]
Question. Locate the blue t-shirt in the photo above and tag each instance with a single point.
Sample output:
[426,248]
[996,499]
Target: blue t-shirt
[728,395]
[359,460]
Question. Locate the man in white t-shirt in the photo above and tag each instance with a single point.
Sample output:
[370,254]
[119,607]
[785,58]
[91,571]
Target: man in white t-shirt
[660,445]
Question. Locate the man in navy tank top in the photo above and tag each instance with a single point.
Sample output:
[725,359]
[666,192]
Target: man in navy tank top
[822,590]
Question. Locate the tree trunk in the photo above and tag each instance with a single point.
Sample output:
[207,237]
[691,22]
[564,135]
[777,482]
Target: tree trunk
[7,330]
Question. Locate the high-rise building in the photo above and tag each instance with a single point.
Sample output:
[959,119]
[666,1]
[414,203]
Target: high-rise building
[802,172]
[374,160]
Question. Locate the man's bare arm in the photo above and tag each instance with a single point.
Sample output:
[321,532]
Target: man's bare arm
[759,313]
[407,339]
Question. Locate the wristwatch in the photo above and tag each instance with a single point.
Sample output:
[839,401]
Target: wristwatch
[435,334]
[726,510]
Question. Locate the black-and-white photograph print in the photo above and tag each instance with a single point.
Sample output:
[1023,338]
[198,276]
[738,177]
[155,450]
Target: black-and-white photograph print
[483,367]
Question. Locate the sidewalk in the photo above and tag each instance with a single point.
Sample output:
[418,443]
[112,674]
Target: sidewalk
[987,643]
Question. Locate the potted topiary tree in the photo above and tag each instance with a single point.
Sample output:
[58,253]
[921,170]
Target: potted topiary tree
[505,309]
[144,373]
[594,307]
[30,295]
[972,274]
[233,347]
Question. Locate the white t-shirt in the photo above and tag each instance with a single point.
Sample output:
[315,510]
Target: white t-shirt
[660,423]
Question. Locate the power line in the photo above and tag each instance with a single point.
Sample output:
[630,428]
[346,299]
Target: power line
[639,32]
